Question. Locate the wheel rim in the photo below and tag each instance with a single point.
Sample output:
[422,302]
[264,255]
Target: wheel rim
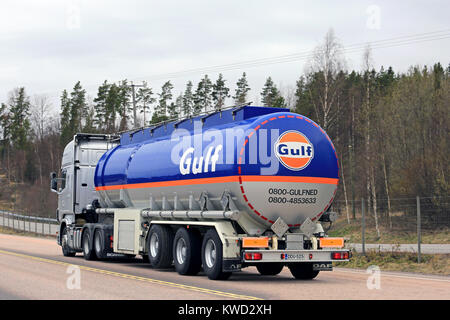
[210,253]
[86,244]
[154,244]
[64,239]
[181,249]
[98,246]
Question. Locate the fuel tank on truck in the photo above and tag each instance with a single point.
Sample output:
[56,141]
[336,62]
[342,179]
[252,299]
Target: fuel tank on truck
[273,163]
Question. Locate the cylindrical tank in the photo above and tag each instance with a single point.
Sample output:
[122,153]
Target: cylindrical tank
[273,163]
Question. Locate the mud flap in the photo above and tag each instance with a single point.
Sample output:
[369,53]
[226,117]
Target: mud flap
[231,265]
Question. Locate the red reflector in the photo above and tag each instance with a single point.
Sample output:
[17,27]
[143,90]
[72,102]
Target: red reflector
[310,256]
[257,256]
[253,256]
[110,238]
[336,256]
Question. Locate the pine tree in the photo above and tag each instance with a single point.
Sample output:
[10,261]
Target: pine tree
[78,108]
[220,93]
[203,95]
[188,100]
[271,97]
[66,131]
[303,103]
[113,105]
[242,89]
[161,109]
[125,107]
[145,99]
[174,108]
[19,113]
[100,106]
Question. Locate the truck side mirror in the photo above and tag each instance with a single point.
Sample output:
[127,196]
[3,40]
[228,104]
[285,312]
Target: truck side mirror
[53,182]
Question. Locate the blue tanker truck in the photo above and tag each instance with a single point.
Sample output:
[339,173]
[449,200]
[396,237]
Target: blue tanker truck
[221,191]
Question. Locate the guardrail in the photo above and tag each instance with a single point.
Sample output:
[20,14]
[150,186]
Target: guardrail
[24,223]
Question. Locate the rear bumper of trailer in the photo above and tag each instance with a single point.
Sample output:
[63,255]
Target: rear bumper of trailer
[252,256]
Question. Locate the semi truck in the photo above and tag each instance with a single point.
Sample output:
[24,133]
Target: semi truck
[218,192]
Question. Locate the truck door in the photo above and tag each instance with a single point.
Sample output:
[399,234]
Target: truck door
[65,194]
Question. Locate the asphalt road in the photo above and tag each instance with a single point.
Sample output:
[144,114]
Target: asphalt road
[34,268]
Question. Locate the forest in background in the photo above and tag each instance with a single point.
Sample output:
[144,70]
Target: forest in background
[390,129]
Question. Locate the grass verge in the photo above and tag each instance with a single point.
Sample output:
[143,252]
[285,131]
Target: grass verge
[352,232]
[438,264]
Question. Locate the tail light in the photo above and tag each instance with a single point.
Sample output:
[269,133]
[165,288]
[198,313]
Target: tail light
[340,255]
[253,256]
[336,256]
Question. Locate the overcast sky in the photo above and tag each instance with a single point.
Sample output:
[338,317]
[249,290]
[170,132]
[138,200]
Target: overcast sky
[47,46]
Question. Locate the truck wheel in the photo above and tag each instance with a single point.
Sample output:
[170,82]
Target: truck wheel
[303,271]
[89,254]
[269,269]
[99,244]
[187,252]
[159,246]
[65,248]
[212,256]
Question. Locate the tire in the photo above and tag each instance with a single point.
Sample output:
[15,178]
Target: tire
[145,258]
[159,246]
[303,271]
[269,269]
[65,248]
[89,254]
[212,256]
[187,252]
[99,244]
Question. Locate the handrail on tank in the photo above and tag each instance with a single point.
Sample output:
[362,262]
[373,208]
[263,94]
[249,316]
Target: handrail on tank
[179,120]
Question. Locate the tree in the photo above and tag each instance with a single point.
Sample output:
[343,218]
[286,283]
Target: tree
[19,113]
[4,121]
[123,101]
[220,93]
[188,100]
[100,105]
[165,96]
[145,99]
[303,104]
[203,95]
[242,89]
[78,108]
[66,131]
[325,69]
[271,97]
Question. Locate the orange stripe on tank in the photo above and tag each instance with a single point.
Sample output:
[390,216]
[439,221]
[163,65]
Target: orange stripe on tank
[220,180]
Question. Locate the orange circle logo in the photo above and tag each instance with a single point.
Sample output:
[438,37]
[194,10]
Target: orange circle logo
[294,150]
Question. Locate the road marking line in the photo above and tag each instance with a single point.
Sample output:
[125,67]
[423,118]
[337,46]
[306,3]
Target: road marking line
[138,278]
[386,273]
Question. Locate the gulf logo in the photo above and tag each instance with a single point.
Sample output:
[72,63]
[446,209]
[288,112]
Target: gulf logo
[294,150]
